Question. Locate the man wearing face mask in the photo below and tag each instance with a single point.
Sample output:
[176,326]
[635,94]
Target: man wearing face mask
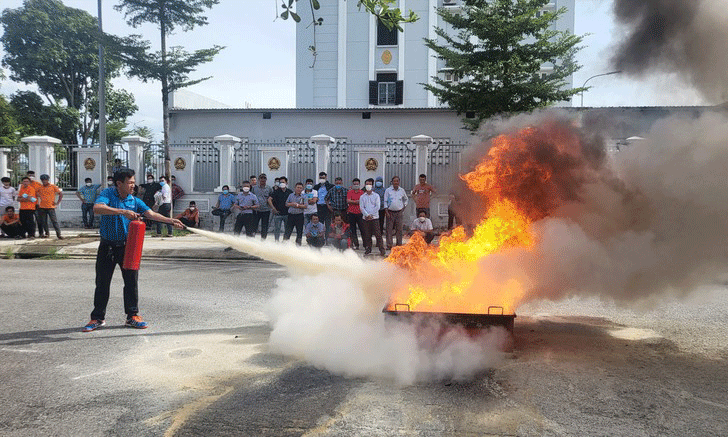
[148,190]
[353,213]
[322,188]
[423,226]
[336,199]
[165,205]
[369,203]
[190,217]
[223,207]
[87,195]
[247,203]
[277,203]
[395,200]
[262,215]
[311,197]
[379,189]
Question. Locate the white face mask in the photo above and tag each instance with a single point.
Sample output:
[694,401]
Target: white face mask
[88,184]
[322,181]
[422,219]
[192,208]
[109,183]
[32,178]
[246,189]
[283,185]
[368,187]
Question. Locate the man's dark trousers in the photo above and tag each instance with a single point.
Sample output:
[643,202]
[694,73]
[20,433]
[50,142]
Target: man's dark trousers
[297,221]
[324,216]
[108,257]
[246,221]
[87,213]
[27,219]
[262,217]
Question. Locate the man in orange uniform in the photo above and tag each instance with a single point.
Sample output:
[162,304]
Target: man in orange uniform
[47,207]
[28,203]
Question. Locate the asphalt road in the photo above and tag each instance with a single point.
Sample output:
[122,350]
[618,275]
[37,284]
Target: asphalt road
[202,368]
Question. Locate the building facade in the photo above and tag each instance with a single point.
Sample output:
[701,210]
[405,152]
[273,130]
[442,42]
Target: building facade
[359,63]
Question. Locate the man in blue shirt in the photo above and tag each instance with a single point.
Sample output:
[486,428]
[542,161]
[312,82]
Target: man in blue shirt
[87,195]
[224,206]
[117,208]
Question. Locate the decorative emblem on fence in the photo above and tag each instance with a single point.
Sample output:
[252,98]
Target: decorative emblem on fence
[371,164]
[274,163]
[89,164]
[180,163]
[386,57]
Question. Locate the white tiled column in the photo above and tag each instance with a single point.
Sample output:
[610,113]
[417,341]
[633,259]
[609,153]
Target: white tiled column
[88,163]
[226,145]
[42,155]
[183,167]
[4,162]
[136,146]
[323,144]
[422,149]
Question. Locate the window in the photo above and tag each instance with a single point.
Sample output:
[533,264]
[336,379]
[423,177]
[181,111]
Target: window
[386,90]
[386,37]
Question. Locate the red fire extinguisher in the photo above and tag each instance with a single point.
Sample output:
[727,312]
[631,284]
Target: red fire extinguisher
[134,243]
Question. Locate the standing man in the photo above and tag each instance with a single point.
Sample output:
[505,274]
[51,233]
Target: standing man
[165,205]
[262,215]
[177,191]
[379,189]
[322,188]
[369,204]
[247,203]
[147,190]
[422,193]
[395,199]
[7,193]
[311,197]
[353,213]
[296,204]
[277,203]
[36,186]
[117,208]
[336,199]
[87,195]
[47,206]
[223,207]
[28,204]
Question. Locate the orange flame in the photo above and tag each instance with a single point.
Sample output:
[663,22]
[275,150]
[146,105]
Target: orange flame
[515,184]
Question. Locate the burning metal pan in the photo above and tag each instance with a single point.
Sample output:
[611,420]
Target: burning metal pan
[468,321]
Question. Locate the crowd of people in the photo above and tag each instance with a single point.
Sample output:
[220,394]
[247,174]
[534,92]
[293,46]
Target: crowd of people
[327,213]
[324,213]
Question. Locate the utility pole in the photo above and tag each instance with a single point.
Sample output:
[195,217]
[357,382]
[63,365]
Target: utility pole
[596,75]
[102,105]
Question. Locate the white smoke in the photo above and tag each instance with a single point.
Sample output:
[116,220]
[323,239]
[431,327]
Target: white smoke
[328,312]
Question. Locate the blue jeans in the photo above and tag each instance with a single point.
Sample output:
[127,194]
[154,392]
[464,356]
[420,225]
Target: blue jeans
[279,221]
[87,213]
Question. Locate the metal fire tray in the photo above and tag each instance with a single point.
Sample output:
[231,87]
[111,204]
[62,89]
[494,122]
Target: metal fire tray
[468,321]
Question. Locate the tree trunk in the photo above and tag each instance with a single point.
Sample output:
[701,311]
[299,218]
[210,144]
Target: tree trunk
[165,102]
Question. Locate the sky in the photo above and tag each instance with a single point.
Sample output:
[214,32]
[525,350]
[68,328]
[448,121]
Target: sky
[257,67]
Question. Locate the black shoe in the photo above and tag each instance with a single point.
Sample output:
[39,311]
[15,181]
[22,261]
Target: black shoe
[383,253]
[367,252]
[60,238]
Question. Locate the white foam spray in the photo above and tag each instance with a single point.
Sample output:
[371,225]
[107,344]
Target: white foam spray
[328,311]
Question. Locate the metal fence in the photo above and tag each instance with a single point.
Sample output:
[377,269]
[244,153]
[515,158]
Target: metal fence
[207,166]
[342,162]
[246,161]
[66,169]
[444,164]
[302,162]
[401,161]
[17,163]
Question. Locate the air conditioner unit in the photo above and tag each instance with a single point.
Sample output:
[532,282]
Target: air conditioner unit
[449,2]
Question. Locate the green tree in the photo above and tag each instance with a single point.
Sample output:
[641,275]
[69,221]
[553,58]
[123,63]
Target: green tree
[55,48]
[496,52]
[8,124]
[36,118]
[171,67]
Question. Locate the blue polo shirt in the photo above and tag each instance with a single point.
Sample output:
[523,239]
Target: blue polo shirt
[115,227]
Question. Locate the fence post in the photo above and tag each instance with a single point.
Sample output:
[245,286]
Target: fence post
[136,155]
[42,155]
[226,145]
[4,162]
[183,167]
[88,160]
[323,155]
[422,149]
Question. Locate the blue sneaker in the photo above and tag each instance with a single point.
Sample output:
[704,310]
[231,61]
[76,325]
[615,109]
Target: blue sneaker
[92,325]
[136,322]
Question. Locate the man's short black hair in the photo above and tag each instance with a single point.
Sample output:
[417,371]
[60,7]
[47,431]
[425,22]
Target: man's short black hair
[5,179]
[9,208]
[314,215]
[369,180]
[262,176]
[123,174]
[30,172]
[322,173]
[87,180]
[299,183]
[393,177]
[309,180]
[423,176]
[225,186]
[24,178]
[355,180]
[283,178]
[338,178]
[163,178]
[245,182]
[192,202]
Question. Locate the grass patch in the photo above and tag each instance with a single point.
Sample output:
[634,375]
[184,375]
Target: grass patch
[53,254]
[9,254]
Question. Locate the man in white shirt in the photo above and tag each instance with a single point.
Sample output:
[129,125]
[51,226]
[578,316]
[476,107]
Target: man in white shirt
[165,206]
[423,226]
[395,200]
[369,203]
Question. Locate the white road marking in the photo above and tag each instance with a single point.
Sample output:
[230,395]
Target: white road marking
[26,351]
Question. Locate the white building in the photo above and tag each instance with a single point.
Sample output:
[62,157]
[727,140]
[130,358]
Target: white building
[360,63]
